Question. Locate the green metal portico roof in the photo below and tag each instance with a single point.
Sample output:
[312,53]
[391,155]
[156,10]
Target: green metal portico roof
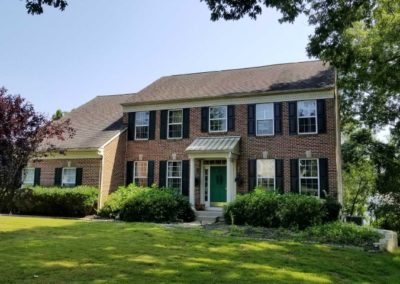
[224,144]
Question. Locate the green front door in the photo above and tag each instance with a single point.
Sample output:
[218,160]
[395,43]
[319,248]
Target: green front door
[217,185]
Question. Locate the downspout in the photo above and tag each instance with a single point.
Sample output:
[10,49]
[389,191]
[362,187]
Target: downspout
[100,152]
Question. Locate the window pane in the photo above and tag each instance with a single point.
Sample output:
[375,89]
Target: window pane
[265,127]
[306,108]
[308,168]
[174,183]
[69,176]
[140,169]
[28,176]
[175,131]
[142,132]
[267,183]
[218,125]
[174,169]
[218,112]
[142,118]
[307,125]
[266,168]
[264,111]
[309,186]
[175,116]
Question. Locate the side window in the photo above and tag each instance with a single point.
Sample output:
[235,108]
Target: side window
[68,177]
[140,170]
[309,177]
[174,174]
[266,173]
[307,117]
[265,119]
[175,121]
[142,125]
[218,119]
[28,176]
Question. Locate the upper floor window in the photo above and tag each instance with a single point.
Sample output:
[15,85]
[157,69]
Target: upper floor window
[68,176]
[174,174]
[175,121]
[266,173]
[218,119]
[142,125]
[28,176]
[307,116]
[140,169]
[309,178]
[265,119]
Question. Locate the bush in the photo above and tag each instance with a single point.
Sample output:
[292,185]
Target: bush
[343,234]
[272,210]
[332,208]
[387,217]
[143,204]
[53,201]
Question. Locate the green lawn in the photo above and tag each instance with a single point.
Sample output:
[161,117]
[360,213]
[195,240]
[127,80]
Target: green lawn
[43,250]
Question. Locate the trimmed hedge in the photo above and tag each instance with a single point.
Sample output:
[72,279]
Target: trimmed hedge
[273,210]
[143,204]
[54,201]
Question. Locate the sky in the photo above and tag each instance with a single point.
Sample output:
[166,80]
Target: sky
[60,60]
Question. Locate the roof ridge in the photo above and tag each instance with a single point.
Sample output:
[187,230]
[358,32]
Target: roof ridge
[242,68]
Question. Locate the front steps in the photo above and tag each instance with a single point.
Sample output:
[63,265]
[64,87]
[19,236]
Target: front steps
[209,216]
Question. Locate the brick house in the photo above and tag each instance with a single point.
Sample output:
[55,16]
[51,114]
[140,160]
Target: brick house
[211,135]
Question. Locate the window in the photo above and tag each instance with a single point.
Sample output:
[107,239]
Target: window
[218,119]
[142,125]
[309,180]
[68,176]
[175,119]
[140,173]
[28,176]
[174,174]
[307,116]
[265,119]
[266,173]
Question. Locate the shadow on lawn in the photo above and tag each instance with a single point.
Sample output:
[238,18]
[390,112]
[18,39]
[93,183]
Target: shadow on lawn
[119,252]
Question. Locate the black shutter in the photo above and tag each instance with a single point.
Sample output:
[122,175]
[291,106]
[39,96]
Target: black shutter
[163,124]
[152,125]
[279,176]
[186,122]
[231,118]
[57,176]
[278,118]
[294,175]
[292,117]
[252,169]
[185,177]
[204,119]
[163,174]
[78,176]
[251,119]
[129,173]
[36,180]
[321,116]
[323,177]
[150,173]
[131,125]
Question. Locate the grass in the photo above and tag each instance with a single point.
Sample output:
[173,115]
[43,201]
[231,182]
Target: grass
[45,250]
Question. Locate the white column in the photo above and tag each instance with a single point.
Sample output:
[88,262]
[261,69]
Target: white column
[191,182]
[229,179]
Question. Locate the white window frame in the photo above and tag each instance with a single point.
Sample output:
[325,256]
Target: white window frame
[175,123]
[274,177]
[209,119]
[140,177]
[62,177]
[318,177]
[174,177]
[141,125]
[298,118]
[24,176]
[273,120]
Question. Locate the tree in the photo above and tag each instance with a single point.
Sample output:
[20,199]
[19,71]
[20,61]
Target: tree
[57,115]
[23,132]
[35,7]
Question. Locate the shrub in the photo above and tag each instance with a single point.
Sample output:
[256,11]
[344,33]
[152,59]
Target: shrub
[343,234]
[332,208]
[53,201]
[157,205]
[387,216]
[272,210]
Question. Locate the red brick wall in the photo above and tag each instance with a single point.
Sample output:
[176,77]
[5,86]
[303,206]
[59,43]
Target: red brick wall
[90,170]
[283,146]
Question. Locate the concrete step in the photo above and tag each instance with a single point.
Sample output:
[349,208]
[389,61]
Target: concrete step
[209,217]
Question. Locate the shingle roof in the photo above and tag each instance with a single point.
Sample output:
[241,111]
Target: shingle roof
[280,77]
[95,122]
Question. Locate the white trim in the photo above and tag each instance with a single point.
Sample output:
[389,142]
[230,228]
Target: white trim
[72,155]
[273,120]
[112,138]
[174,123]
[219,119]
[166,172]
[233,100]
[298,118]
[318,177]
[148,126]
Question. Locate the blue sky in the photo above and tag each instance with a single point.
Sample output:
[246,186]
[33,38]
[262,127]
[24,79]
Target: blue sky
[101,47]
